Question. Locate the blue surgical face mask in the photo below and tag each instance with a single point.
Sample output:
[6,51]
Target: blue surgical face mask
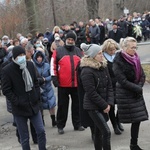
[38,45]
[21,59]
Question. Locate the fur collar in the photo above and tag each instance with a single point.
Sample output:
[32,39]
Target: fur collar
[90,62]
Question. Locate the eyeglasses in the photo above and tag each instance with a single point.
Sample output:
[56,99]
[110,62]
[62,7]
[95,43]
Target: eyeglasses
[134,48]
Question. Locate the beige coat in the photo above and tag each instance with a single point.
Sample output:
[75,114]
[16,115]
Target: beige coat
[55,44]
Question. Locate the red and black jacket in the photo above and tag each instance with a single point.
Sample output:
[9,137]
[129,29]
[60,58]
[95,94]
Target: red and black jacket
[63,65]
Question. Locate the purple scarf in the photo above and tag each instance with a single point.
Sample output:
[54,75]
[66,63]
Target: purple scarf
[135,61]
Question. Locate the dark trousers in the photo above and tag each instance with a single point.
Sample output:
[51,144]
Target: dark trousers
[102,131]
[22,127]
[63,104]
[33,133]
[134,133]
[113,117]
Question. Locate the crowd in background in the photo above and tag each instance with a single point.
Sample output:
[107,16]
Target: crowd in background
[56,55]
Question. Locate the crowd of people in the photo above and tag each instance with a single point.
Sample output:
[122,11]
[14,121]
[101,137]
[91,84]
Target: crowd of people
[90,65]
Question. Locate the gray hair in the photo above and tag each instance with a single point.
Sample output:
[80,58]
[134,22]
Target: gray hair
[23,40]
[125,41]
[28,47]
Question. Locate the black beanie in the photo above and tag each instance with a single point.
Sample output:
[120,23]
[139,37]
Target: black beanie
[17,50]
[72,35]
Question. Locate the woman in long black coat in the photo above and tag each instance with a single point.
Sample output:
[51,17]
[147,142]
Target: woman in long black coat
[129,88]
[109,51]
[98,97]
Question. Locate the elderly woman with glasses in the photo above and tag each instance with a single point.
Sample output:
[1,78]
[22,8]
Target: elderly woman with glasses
[129,88]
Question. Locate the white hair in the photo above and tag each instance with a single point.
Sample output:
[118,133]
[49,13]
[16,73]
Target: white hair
[23,40]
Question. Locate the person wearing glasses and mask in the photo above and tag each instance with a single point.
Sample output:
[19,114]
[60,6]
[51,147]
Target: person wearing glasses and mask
[129,88]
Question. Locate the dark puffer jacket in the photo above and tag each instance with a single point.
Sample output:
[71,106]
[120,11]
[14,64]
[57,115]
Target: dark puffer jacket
[97,85]
[129,95]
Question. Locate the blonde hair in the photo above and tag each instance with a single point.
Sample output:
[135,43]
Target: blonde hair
[124,42]
[109,44]
[56,28]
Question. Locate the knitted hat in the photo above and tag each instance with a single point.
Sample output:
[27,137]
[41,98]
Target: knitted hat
[91,50]
[17,50]
[72,35]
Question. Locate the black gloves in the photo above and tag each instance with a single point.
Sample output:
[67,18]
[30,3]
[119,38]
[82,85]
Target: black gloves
[55,81]
[40,81]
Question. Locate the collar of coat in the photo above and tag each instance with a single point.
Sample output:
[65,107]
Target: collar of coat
[92,63]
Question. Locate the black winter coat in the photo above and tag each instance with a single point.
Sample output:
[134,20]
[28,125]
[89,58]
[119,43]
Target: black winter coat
[115,36]
[129,95]
[3,53]
[13,87]
[97,85]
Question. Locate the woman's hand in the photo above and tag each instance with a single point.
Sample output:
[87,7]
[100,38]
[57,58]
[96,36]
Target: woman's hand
[107,109]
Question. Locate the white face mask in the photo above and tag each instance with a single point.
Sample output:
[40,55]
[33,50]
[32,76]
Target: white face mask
[57,38]
[21,59]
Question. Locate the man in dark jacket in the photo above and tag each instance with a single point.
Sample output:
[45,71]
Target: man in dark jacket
[123,26]
[94,32]
[80,31]
[63,70]
[3,53]
[20,86]
[115,33]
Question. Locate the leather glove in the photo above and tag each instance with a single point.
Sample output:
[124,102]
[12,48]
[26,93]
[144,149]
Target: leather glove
[55,81]
[40,81]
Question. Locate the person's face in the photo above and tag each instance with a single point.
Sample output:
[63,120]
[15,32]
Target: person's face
[11,42]
[70,41]
[19,55]
[92,23]
[5,40]
[111,51]
[24,44]
[131,48]
[81,24]
[67,28]
[39,59]
[29,53]
[16,43]
[99,57]
[114,27]
[56,30]
[97,21]
[41,38]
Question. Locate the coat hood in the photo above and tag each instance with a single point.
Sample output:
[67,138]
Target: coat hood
[90,62]
[35,58]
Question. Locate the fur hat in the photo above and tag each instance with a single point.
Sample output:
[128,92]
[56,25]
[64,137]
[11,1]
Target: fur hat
[17,50]
[72,35]
[91,50]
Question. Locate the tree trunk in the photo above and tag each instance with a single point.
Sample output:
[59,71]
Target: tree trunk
[32,15]
[92,7]
[53,9]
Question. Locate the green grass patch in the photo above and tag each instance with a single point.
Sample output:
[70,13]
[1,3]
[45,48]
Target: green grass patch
[146,68]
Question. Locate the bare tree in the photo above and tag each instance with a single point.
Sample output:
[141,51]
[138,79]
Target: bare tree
[32,14]
[36,15]
[93,7]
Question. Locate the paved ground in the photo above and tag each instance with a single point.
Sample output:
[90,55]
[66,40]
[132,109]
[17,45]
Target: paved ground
[75,140]
[71,140]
